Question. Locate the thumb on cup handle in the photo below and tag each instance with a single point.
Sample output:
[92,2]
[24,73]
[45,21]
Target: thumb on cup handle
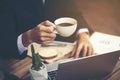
[55,31]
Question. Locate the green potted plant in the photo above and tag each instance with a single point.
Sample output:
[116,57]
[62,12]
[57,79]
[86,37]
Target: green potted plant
[38,69]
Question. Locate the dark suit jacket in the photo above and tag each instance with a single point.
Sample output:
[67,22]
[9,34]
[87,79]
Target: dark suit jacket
[18,16]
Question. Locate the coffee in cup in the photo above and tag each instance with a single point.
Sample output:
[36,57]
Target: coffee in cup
[65,26]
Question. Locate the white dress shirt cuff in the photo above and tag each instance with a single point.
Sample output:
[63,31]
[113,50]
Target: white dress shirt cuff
[82,30]
[20,45]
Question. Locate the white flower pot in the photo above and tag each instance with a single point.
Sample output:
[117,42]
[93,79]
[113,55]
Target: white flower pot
[39,75]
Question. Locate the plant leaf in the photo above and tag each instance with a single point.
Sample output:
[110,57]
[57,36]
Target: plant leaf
[33,55]
[36,60]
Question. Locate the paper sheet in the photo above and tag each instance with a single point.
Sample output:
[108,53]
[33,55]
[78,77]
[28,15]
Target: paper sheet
[104,43]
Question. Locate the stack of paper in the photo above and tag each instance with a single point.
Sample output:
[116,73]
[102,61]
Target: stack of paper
[104,43]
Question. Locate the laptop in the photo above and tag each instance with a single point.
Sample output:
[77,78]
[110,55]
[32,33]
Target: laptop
[85,68]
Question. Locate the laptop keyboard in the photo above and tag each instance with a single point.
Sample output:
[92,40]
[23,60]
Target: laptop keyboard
[52,75]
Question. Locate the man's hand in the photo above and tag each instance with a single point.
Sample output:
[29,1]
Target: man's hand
[83,47]
[43,33]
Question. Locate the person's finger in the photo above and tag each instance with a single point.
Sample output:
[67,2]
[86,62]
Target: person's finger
[44,40]
[73,52]
[44,34]
[84,51]
[44,28]
[48,23]
[78,50]
[90,51]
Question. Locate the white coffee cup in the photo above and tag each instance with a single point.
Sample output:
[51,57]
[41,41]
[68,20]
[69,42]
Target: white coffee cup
[65,26]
